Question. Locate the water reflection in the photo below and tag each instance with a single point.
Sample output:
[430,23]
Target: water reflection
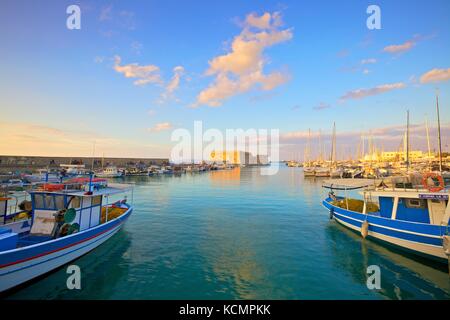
[100,274]
[402,276]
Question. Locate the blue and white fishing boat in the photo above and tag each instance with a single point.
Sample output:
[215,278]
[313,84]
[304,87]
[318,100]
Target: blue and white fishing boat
[67,221]
[411,217]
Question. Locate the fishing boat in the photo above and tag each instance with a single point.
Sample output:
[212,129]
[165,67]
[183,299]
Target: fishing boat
[322,172]
[408,216]
[165,170]
[309,171]
[67,221]
[109,172]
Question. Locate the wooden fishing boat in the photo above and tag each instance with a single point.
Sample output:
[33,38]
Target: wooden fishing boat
[65,224]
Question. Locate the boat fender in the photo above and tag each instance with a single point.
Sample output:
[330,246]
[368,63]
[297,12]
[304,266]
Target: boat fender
[365,229]
[446,245]
[331,213]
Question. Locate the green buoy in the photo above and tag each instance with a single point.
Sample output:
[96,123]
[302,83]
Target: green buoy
[69,216]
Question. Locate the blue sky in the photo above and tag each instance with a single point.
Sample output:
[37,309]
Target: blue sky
[62,89]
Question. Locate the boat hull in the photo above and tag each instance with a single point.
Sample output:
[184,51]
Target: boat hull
[21,265]
[422,239]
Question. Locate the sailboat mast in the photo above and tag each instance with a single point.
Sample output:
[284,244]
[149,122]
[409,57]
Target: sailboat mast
[309,147]
[428,143]
[407,140]
[333,145]
[439,132]
[320,146]
[428,137]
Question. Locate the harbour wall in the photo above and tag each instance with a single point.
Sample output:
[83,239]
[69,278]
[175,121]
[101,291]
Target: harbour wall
[31,163]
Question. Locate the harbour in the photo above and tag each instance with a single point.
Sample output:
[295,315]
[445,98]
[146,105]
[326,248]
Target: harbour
[226,157]
[225,243]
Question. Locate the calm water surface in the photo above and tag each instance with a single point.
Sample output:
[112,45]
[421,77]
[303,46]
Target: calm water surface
[239,235]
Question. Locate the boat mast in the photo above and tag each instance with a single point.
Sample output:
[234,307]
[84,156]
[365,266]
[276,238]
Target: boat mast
[439,131]
[320,147]
[333,145]
[407,141]
[309,148]
[363,153]
[428,140]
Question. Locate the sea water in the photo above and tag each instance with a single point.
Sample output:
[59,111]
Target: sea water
[237,234]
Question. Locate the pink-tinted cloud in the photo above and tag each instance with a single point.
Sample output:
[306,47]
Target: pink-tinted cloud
[242,69]
[397,48]
[161,127]
[435,75]
[322,106]
[388,138]
[142,74]
[363,93]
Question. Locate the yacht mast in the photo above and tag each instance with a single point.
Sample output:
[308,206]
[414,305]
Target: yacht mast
[320,146]
[333,145]
[407,141]
[428,141]
[439,131]
[309,147]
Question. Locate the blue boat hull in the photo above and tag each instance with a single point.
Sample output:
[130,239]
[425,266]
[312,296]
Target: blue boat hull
[420,238]
[23,264]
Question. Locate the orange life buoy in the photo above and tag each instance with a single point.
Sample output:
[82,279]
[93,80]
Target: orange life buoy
[433,176]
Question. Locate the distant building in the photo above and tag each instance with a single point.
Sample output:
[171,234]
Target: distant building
[401,156]
[237,158]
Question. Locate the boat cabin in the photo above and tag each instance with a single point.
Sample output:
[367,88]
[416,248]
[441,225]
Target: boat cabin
[59,210]
[417,205]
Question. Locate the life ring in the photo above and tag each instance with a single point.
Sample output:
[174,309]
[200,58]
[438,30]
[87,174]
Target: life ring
[433,176]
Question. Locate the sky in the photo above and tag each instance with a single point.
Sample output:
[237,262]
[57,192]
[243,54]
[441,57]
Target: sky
[137,70]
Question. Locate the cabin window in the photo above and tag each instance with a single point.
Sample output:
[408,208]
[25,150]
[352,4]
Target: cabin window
[415,203]
[76,202]
[59,202]
[48,200]
[38,201]
[96,201]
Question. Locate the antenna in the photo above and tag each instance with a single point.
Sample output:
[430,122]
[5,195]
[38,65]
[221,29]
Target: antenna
[93,155]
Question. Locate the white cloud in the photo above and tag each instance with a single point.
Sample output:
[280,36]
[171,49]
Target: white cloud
[435,75]
[173,84]
[242,69]
[161,127]
[362,93]
[322,106]
[143,74]
[369,61]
